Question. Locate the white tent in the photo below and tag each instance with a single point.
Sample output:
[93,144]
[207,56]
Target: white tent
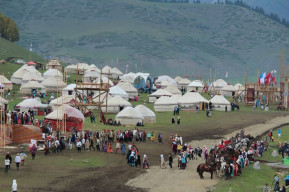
[65,109]
[166,83]
[184,83]
[107,70]
[52,84]
[82,67]
[178,79]
[16,78]
[91,75]
[128,78]
[30,75]
[195,85]
[217,85]
[65,99]
[129,116]
[116,73]
[7,84]
[228,90]
[163,78]
[94,68]
[149,115]
[52,73]
[129,88]
[27,104]
[219,103]
[239,87]
[105,81]
[164,104]
[192,99]
[70,69]
[116,90]
[115,104]
[160,92]
[31,85]
[54,64]
[69,89]
[173,90]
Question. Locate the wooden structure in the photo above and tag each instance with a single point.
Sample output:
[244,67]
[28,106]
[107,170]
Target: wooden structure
[92,95]
[284,83]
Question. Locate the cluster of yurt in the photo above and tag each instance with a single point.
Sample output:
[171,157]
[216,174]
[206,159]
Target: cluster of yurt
[157,94]
[54,64]
[26,73]
[167,80]
[8,85]
[30,86]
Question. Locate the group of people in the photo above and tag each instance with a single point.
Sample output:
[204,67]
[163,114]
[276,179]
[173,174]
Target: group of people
[19,160]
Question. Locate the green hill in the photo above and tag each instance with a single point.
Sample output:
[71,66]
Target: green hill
[177,39]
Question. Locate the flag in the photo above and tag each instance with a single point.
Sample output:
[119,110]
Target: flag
[268,78]
[30,47]
[262,78]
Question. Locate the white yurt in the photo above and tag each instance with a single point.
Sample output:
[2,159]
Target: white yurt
[184,83]
[219,103]
[107,70]
[16,78]
[70,69]
[28,87]
[157,94]
[53,84]
[116,104]
[65,99]
[69,89]
[196,85]
[94,68]
[52,73]
[31,75]
[164,104]
[32,104]
[129,116]
[239,87]
[217,85]
[129,89]
[190,100]
[116,90]
[228,90]
[102,97]
[128,78]
[166,83]
[91,75]
[178,79]
[116,73]
[173,90]
[54,64]
[165,78]
[149,115]
[82,67]
[8,85]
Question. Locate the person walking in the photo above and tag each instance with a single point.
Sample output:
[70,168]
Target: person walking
[170,160]
[9,157]
[266,188]
[173,120]
[279,133]
[163,163]
[17,161]
[78,145]
[33,151]
[22,156]
[7,164]
[14,186]
[179,120]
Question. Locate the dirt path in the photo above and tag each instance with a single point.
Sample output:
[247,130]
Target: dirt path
[156,179]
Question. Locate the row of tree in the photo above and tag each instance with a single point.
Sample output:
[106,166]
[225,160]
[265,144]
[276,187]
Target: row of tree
[8,28]
[260,10]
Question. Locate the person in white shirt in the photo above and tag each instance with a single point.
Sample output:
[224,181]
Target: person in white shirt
[78,145]
[14,186]
[7,164]
[17,160]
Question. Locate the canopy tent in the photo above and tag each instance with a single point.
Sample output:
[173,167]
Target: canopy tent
[178,79]
[33,104]
[28,87]
[142,81]
[8,85]
[116,73]
[53,84]
[160,92]
[166,83]
[129,116]
[52,73]
[219,103]
[192,99]
[74,118]
[228,90]
[116,104]
[54,64]
[129,89]
[163,78]
[184,83]
[173,90]
[165,103]
[196,85]
[69,89]
[149,115]
[116,90]
[65,99]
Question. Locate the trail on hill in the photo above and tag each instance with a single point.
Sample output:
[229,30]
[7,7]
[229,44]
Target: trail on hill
[157,179]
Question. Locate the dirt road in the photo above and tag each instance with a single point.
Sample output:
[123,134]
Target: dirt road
[157,180]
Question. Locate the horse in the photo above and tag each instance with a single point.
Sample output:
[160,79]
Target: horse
[203,167]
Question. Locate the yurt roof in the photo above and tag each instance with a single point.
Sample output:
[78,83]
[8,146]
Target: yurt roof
[196,83]
[220,83]
[219,99]
[229,88]
[53,82]
[65,109]
[129,113]
[30,103]
[82,66]
[239,87]
[104,80]
[178,79]
[70,87]
[91,73]
[3,101]
[174,99]
[192,97]
[118,101]
[146,112]
[173,89]
[127,87]
[4,79]
[128,78]
[161,92]
[53,62]
[52,72]
[106,69]
[70,67]
[62,100]
[184,81]
[165,77]
[20,72]
[166,83]
[163,100]
[116,90]
[32,84]
[32,75]
[116,71]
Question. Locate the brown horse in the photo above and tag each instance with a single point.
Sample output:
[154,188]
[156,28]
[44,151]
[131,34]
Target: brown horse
[206,168]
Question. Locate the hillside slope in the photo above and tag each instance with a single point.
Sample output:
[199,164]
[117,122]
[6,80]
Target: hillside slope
[159,38]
